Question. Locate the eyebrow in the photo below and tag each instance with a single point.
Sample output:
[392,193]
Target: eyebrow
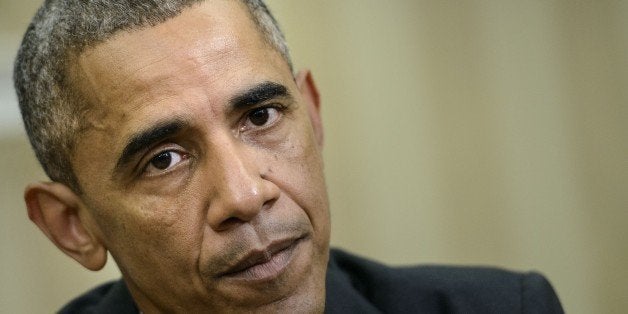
[144,139]
[258,94]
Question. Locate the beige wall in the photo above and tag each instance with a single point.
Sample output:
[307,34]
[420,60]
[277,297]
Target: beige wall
[474,132]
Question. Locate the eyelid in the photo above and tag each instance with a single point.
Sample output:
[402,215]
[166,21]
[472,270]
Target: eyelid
[281,109]
[145,162]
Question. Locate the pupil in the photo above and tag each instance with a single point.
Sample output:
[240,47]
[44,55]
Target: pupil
[259,117]
[162,161]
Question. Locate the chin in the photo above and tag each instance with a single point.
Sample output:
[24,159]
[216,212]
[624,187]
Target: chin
[296,304]
[307,297]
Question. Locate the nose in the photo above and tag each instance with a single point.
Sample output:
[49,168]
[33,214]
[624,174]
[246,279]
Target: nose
[240,189]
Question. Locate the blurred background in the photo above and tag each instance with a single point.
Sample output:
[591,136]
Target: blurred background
[458,132]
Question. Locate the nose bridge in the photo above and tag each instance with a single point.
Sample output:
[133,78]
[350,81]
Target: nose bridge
[239,189]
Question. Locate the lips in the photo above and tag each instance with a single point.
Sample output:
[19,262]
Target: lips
[261,264]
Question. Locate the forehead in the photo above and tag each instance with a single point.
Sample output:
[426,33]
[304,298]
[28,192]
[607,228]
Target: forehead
[208,38]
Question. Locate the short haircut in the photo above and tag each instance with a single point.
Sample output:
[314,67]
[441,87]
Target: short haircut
[52,108]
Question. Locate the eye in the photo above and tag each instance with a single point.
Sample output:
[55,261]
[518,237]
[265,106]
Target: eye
[260,117]
[164,161]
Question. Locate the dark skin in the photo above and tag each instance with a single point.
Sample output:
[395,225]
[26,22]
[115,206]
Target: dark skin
[201,169]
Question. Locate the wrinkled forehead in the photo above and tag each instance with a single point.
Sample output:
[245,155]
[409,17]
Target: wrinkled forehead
[203,40]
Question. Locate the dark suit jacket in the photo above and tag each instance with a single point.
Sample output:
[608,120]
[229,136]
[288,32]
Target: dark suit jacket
[357,285]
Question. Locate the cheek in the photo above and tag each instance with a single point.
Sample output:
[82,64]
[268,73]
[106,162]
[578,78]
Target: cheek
[297,169]
[148,232]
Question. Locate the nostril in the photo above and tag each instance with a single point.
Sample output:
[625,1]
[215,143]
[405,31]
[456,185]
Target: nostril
[230,222]
[268,204]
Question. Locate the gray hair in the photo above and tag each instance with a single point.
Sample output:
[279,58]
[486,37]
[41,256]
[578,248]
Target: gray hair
[61,30]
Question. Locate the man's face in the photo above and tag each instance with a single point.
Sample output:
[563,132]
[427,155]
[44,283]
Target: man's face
[201,166]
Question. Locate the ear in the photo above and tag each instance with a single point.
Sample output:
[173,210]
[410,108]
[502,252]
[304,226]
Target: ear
[62,217]
[309,92]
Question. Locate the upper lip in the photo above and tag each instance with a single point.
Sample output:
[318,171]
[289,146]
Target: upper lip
[259,256]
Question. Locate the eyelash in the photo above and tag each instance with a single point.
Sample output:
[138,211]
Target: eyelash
[147,166]
[276,106]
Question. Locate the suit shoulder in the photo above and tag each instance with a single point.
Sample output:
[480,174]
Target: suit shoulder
[449,289]
[110,297]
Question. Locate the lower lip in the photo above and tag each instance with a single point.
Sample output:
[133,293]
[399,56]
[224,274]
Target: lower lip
[268,270]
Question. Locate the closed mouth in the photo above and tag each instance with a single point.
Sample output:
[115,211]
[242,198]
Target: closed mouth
[264,264]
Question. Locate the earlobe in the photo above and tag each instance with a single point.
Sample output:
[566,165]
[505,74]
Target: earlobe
[61,216]
[309,92]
